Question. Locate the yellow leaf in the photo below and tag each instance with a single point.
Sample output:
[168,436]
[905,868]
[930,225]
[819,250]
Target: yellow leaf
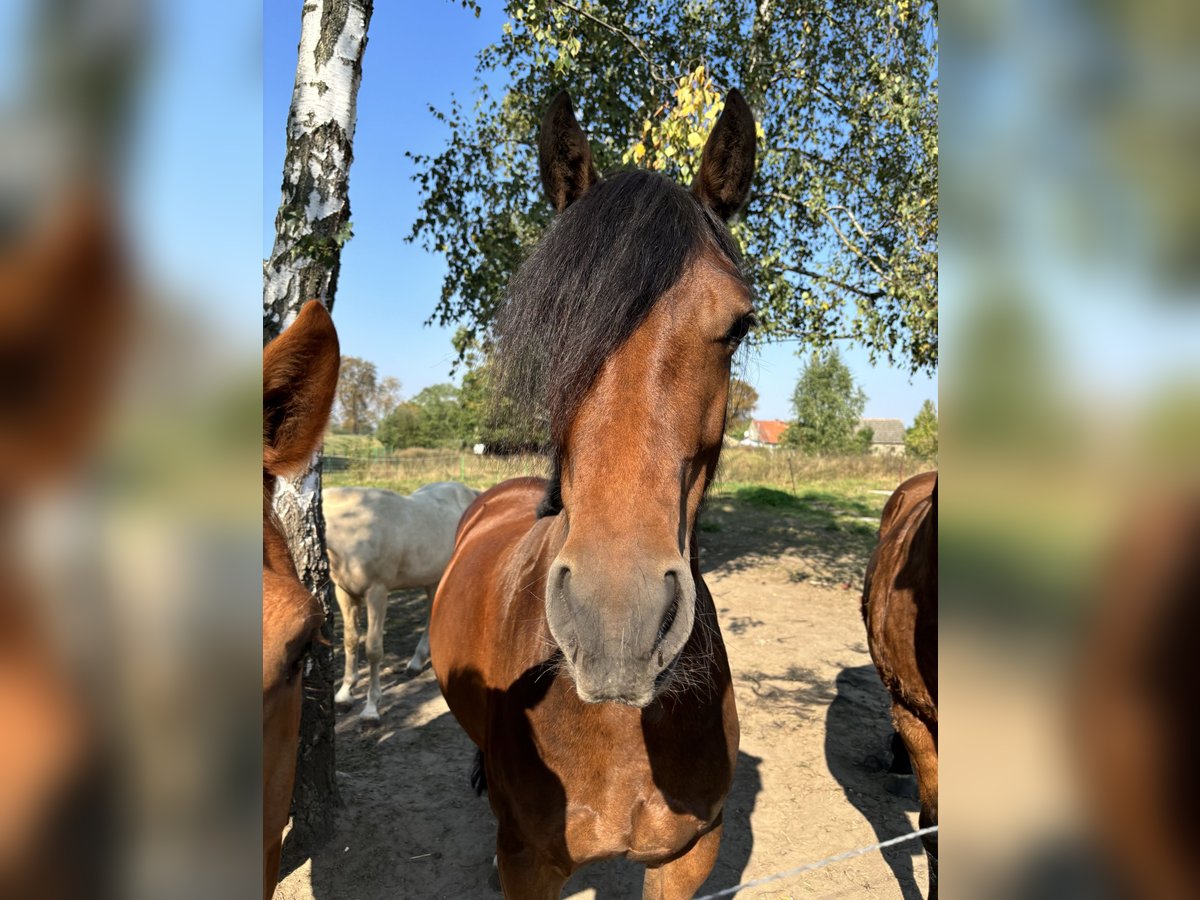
[639,150]
[694,139]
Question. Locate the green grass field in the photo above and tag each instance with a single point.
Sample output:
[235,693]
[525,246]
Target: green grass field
[840,493]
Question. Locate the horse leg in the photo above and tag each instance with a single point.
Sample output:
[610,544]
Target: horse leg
[348,604]
[680,878]
[271,857]
[922,750]
[420,658]
[524,873]
[377,596]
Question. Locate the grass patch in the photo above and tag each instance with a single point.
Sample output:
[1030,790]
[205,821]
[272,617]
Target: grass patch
[843,495]
[355,445]
[769,498]
[818,506]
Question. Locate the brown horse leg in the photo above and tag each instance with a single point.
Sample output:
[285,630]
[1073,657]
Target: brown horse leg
[922,749]
[271,868]
[524,873]
[680,878]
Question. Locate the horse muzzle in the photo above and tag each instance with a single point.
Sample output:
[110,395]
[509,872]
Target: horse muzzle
[620,631]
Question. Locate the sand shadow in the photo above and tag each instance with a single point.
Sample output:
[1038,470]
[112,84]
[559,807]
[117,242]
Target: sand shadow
[828,537]
[858,731]
[365,750]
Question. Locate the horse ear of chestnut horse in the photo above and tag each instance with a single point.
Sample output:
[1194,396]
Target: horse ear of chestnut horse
[300,371]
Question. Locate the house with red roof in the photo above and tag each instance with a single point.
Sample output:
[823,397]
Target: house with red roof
[764,433]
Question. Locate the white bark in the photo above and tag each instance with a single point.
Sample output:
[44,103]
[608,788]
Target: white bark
[310,228]
[314,209]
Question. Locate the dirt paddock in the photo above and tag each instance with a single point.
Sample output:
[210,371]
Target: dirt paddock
[810,776]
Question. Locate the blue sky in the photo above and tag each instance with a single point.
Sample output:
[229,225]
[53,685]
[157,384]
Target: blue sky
[420,54]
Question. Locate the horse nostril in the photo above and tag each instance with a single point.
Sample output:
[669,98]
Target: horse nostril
[672,581]
[671,578]
[562,580]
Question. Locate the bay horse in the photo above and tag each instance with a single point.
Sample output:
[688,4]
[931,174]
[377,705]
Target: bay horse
[380,541]
[899,605]
[300,370]
[1134,679]
[573,636]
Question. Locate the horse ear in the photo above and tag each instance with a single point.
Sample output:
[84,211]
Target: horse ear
[564,157]
[300,372]
[727,163]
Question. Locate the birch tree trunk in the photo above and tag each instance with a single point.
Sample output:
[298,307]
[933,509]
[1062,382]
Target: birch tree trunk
[311,226]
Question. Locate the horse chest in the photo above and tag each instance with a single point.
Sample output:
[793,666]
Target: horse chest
[644,826]
[620,802]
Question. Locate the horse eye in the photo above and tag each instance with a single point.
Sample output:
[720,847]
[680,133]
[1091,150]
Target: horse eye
[739,329]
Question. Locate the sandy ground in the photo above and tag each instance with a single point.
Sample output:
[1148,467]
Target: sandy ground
[809,783]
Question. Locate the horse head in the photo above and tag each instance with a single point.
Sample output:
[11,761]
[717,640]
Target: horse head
[629,311]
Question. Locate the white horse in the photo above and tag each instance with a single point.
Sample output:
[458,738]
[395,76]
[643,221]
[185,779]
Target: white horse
[380,541]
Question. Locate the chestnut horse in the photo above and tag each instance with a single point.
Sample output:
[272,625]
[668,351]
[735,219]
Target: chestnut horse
[572,635]
[66,300]
[300,369]
[900,610]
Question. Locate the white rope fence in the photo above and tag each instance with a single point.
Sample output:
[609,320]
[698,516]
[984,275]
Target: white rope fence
[809,867]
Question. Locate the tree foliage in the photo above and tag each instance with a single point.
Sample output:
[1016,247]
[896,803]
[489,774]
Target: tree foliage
[840,232]
[363,398]
[828,406]
[357,383]
[401,428]
[441,422]
[743,398]
[921,441]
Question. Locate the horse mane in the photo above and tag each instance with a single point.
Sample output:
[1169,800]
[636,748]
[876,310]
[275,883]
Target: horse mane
[589,283]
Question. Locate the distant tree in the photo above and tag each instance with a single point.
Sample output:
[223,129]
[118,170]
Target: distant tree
[363,398]
[386,399]
[487,418]
[828,407]
[921,441]
[356,390]
[743,398]
[401,428]
[862,440]
[441,422]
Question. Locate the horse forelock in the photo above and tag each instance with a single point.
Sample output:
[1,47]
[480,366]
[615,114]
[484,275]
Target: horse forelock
[596,274]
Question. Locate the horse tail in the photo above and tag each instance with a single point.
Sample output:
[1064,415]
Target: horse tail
[478,775]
